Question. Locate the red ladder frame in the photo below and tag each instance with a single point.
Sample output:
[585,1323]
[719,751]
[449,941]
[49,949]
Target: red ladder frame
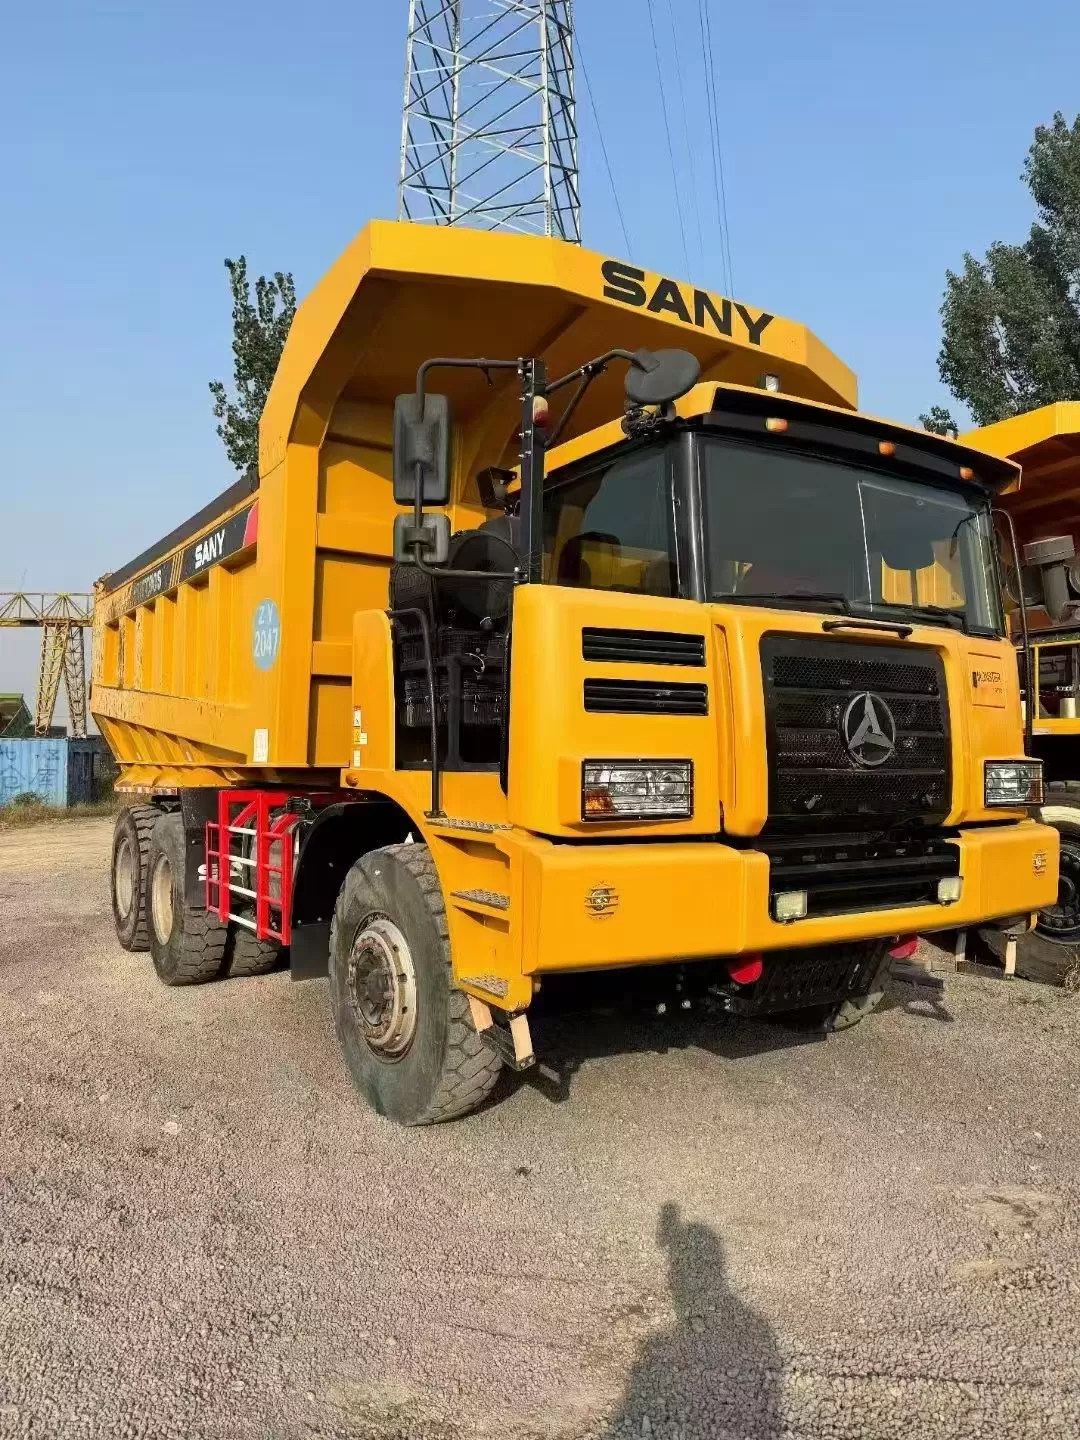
[243,814]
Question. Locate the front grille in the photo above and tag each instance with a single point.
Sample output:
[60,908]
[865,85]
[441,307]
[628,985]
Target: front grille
[642,647]
[643,697]
[848,874]
[812,687]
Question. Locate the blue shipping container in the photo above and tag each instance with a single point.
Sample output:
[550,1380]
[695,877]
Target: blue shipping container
[58,771]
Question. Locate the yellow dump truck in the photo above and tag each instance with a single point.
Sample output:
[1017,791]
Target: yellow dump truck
[576,621]
[1042,594]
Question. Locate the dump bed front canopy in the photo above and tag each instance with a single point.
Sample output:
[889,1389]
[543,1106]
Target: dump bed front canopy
[1045,443]
[403,293]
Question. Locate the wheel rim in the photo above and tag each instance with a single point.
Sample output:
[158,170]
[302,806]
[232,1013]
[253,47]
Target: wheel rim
[382,987]
[124,878]
[161,899]
[1060,922]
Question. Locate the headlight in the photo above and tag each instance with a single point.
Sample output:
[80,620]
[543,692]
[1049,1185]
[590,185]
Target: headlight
[1013,782]
[637,790]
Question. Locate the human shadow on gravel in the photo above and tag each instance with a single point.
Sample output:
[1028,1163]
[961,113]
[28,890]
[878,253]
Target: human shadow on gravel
[717,1374]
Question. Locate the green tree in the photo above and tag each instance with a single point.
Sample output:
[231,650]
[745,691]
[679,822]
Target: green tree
[259,332]
[1011,321]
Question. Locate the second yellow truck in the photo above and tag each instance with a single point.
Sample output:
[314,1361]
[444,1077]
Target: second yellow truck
[576,621]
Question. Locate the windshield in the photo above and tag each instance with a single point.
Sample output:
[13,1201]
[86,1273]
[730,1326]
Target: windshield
[823,534]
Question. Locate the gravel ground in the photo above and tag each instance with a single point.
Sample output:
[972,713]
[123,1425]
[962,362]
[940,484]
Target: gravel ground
[705,1231]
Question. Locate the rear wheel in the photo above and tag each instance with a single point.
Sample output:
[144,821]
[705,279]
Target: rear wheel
[250,956]
[187,945]
[405,1029]
[130,871]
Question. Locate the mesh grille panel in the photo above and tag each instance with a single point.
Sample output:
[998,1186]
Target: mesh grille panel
[831,672]
[814,773]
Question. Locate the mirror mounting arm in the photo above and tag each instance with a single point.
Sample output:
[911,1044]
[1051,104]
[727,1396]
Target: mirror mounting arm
[446,362]
[443,572]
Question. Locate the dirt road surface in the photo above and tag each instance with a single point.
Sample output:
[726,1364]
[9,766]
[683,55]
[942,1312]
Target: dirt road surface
[704,1232]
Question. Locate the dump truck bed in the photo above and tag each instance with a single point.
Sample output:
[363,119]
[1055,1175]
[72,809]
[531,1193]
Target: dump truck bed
[222,653]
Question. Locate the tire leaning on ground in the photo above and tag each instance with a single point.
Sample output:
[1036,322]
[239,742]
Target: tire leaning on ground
[187,945]
[405,1029]
[1051,952]
[129,874]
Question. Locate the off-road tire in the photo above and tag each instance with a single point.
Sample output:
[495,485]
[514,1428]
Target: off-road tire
[133,829]
[187,945]
[447,1069]
[849,1012]
[248,955]
[1050,953]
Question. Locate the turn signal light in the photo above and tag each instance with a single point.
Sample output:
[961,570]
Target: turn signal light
[776,424]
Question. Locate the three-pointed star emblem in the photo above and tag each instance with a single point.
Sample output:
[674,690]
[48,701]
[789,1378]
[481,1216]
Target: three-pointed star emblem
[868,730]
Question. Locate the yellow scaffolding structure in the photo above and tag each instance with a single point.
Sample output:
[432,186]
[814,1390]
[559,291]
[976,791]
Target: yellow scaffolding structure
[62,617]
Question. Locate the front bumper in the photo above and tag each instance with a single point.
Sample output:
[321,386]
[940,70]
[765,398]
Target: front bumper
[593,906]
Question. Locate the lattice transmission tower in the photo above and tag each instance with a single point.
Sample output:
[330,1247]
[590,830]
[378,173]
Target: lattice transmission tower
[489,137]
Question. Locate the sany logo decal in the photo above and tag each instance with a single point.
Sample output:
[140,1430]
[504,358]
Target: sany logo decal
[626,283]
[210,549]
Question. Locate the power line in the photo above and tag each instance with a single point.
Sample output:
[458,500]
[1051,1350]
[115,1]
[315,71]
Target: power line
[718,158]
[603,148]
[686,136]
[667,132]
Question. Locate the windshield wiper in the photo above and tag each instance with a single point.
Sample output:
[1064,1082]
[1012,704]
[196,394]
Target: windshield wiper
[809,598]
[956,618]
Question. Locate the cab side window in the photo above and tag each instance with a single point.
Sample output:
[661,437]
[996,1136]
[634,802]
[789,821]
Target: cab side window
[611,528]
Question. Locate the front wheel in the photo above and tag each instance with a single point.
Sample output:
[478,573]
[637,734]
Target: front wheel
[864,989]
[406,1030]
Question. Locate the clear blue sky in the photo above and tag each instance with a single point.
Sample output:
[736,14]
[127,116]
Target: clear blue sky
[867,143]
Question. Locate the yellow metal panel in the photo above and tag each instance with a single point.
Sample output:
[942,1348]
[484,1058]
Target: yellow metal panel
[662,902]
[1012,437]
[329,727]
[372,693]
[551,733]
[205,724]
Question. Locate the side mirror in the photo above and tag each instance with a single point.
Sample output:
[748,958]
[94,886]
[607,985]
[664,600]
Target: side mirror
[657,377]
[422,443]
[433,533]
